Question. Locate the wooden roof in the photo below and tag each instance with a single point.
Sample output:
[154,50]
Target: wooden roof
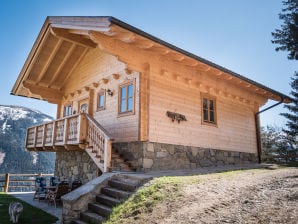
[64,41]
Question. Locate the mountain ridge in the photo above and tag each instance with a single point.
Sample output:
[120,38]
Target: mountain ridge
[14,158]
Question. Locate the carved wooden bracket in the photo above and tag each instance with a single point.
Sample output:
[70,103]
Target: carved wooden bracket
[176,117]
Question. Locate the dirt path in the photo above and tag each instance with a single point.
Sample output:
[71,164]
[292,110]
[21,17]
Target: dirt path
[255,196]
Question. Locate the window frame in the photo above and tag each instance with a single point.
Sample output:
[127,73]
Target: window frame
[209,98]
[101,93]
[64,109]
[84,101]
[126,84]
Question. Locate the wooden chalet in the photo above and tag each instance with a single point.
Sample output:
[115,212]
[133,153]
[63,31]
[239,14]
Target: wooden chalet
[127,100]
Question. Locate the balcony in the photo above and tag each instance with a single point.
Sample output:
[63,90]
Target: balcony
[76,132]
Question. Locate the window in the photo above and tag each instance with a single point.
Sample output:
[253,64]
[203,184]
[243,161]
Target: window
[67,110]
[84,106]
[209,110]
[101,100]
[126,98]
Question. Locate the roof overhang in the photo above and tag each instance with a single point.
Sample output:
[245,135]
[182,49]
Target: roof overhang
[64,41]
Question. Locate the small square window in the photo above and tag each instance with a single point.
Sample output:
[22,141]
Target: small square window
[101,100]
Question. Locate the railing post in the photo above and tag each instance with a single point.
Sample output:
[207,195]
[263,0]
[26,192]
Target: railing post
[35,136]
[54,133]
[65,131]
[6,183]
[107,155]
[43,135]
[82,126]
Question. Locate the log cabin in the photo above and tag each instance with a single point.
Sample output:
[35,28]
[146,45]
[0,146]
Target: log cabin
[127,100]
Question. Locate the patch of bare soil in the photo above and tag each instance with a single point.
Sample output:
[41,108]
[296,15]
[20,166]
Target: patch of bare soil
[254,196]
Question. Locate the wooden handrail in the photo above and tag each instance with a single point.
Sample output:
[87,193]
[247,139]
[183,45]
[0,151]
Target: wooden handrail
[9,178]
[100,141]
[79,130]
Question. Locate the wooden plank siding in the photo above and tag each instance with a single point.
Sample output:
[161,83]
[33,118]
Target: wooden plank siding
[99,67]
[235,129]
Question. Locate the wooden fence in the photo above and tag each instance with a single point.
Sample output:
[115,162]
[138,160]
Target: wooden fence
[19,182]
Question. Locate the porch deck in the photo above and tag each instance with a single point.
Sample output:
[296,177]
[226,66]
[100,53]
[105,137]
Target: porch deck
[28,197]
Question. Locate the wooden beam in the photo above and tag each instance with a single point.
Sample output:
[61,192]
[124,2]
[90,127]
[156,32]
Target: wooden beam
[67,56]
[74,38]
[44,92]
[68,75]
[49,61]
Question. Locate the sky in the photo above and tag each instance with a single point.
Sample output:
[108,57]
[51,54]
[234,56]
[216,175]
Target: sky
[235,34]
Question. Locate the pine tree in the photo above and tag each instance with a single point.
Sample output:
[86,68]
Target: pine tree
[292,116]
[287,36]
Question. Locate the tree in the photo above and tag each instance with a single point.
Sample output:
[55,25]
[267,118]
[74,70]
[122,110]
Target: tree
[287,36]
[292,116]
[287,39]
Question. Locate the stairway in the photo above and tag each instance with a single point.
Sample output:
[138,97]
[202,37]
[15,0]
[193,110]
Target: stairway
[117,190]
[118,163]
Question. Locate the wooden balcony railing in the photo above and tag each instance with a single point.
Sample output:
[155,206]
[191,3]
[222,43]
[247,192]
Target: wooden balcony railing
[75,132]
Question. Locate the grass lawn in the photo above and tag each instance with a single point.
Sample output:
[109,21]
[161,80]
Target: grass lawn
[29,215]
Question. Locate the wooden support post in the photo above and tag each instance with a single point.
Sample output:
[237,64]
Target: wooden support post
[65,131]
[107,155]
[6,183]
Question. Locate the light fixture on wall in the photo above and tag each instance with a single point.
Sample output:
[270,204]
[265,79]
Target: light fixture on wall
[110,93]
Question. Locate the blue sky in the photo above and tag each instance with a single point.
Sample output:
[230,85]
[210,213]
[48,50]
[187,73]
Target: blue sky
[233,34]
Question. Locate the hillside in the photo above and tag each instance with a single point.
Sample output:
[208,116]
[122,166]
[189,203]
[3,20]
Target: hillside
[14,158]
[243,196]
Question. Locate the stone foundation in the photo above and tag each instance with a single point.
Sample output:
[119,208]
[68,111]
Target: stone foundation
[150,156]
[75,164]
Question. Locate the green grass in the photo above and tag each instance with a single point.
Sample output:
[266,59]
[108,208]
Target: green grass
[29,215]
[159,189]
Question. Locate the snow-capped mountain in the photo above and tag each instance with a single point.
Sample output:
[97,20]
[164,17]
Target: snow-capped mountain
[14,158]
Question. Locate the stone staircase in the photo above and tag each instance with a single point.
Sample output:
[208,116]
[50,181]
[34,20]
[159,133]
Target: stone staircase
[115,192]
[118,163]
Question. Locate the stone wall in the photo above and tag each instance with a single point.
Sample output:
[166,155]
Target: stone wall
[147,156]
[75,164]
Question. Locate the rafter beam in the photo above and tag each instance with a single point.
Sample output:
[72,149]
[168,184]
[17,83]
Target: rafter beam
[67,56]
[44,92]
[49,61]
[74,38]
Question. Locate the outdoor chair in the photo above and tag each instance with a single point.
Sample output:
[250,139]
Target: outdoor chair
[40,190]
[55,196]
[75,184]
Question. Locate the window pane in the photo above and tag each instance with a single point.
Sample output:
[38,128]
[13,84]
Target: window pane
[101,101]
[212,117]
[130,90]
[129,104]
[205,104]
[205,115]
[211,104]
[123,92]
[67,110]
[123,105]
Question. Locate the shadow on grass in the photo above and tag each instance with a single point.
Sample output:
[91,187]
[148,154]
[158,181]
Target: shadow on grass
[29,215]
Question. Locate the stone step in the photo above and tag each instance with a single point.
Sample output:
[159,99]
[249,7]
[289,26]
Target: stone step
[91,217]
[106,200]
[122,185]
[115,193]
[116,168]
[100,209]
[78,222]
